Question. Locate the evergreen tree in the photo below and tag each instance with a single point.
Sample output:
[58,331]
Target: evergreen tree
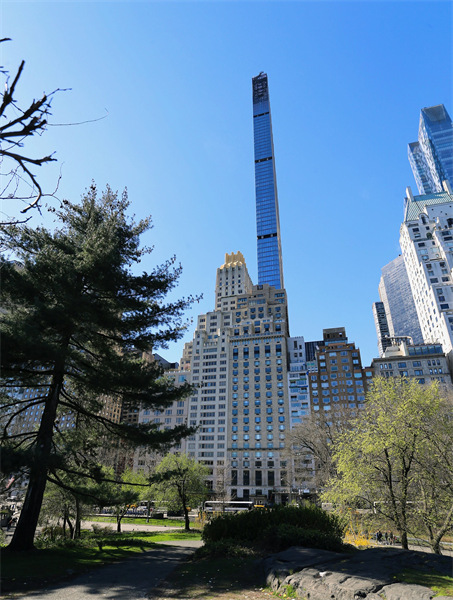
[75,328]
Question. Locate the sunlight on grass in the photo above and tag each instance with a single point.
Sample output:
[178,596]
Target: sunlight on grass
[142,521]
[441,584]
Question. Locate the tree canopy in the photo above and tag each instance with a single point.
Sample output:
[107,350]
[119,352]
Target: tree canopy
[180,483]
[397,458]
[75,326]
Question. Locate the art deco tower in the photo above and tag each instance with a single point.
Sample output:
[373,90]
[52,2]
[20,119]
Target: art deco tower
[270,265]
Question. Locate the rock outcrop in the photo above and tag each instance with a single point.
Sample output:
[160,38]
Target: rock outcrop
[310,574]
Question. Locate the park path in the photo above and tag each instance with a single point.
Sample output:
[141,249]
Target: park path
[131,579]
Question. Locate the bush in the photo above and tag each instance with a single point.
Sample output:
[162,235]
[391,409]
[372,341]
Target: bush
[279,528]
[282,536]
[51,535]
[223,549]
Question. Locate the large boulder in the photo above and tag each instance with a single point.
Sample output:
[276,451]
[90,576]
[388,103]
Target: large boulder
[366,574]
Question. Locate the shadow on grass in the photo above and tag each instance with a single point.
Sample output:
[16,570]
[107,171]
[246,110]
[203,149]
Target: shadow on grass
[128,576]
[45,566]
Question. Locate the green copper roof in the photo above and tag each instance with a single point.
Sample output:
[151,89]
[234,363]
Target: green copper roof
[416,206]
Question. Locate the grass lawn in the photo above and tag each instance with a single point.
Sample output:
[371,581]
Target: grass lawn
[141,521]
[441,584]
[31,570]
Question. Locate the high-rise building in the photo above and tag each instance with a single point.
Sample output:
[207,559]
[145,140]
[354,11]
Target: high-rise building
[382,327]
[395,316]
[424,362]
[431,157]
[238,360]
[298,390]
[270,265]
[427,245]
[340,380]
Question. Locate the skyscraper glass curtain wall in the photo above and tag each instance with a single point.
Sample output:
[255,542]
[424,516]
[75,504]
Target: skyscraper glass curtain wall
[431,157]
[270,265]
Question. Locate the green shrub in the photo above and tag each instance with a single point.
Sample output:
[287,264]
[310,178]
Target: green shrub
[279,527]
[223,549]
[282,536]
[50,536]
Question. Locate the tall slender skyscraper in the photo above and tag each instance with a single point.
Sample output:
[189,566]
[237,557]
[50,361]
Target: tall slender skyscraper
[431,157]
[270,264]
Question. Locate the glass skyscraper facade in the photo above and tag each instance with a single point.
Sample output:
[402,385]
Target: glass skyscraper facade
[431,157]
[396,295]
[270,265]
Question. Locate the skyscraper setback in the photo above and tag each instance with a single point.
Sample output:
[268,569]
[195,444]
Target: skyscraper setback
[270,264]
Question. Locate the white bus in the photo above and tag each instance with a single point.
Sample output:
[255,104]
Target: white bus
[228,506]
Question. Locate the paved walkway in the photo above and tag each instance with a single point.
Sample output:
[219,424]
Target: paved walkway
[132,579]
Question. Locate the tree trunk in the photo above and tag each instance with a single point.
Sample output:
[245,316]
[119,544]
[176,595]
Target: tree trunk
[77,526]
[71,528]
[404,543]
[436,539]
[186,519]
[118,524]
[28,521]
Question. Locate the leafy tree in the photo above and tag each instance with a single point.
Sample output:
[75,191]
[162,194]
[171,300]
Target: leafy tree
[59,506]
[127,493]
[222,485]
[75,325]
[397,458]
[310,446]
[180,483]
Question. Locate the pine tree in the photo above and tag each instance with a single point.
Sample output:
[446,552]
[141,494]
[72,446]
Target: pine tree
[75,326]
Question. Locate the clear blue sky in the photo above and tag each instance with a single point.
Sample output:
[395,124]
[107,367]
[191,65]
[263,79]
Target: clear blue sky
[347,81]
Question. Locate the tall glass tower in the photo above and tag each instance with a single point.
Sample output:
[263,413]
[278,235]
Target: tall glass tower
[270,265]
[431,157]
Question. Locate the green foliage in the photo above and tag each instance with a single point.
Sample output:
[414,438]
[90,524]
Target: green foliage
[279,528]
[290,590]
[397,458]
[224,548]
[131,488]
[180,483]
[279,537]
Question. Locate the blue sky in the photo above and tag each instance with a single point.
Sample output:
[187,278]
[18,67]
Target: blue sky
[347,81]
